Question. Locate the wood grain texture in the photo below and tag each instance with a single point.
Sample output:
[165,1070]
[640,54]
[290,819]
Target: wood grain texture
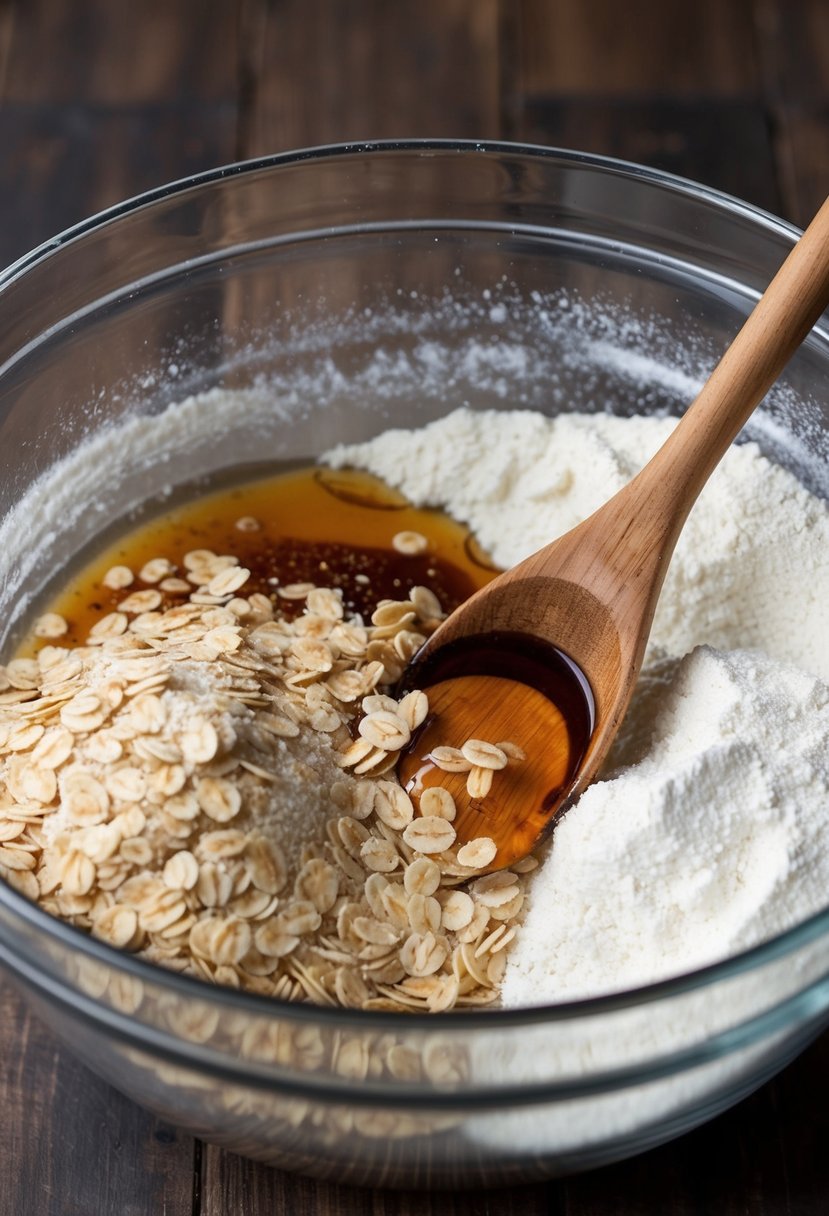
[6,25]
[318,72]
[640,48]
[120,52]
[233,1185]
[793,50]
[802,151]
[101,100]
[72,1145]
[793,42]
[64,163]
[694,139]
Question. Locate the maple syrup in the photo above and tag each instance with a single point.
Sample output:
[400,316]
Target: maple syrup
[330,528]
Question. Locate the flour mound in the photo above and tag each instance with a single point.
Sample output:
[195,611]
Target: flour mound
[710,843]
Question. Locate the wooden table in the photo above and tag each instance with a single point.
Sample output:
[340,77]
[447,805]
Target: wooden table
[100,99]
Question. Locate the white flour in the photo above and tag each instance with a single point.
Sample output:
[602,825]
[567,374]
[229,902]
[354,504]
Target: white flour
[712,840]
[710,835]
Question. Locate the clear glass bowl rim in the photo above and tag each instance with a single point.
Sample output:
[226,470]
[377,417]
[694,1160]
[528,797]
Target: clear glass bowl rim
[75,939]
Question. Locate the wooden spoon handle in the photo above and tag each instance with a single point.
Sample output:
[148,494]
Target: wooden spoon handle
[787,310]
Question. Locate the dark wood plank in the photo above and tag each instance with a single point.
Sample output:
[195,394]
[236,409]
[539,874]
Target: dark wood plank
[72,1145]
[63,163]
[696,139]
[318,72]
[640,48]
[102,99]
[6,23]
[802,144]
[793,40]
[120,52]
[671,85]
[233,1184]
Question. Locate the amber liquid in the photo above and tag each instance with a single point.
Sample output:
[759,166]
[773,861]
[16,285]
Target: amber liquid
[332,529]
[552,726]
[529,661]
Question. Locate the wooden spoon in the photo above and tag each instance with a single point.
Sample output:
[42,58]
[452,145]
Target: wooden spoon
[494,670]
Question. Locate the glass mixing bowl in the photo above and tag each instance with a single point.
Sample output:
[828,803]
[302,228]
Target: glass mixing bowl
[339,292]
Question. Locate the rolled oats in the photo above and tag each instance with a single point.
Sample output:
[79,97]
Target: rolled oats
[511,750]
[156,745]
[424,913]
[477,853]
[229,940]
[317,883]
[385,729]
[181,871]
[84,797]
[484,755]
[423,954]
[118,577]
[392,805]
[54,748]
[228,581]
[218,798]
[274,942]
[410,543]
[23,674]
[214,886]
[99,843]
[450,759]
[378,854]
[110,626]
[435,800]
[126,784]
[118,926]
[136,850]
[457,911]
[429,834]
[140,602]
[155,570]
[495,889]
[23,737]
[51,625]
[479,782]
[76,871]
[422,876]
[199,742]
